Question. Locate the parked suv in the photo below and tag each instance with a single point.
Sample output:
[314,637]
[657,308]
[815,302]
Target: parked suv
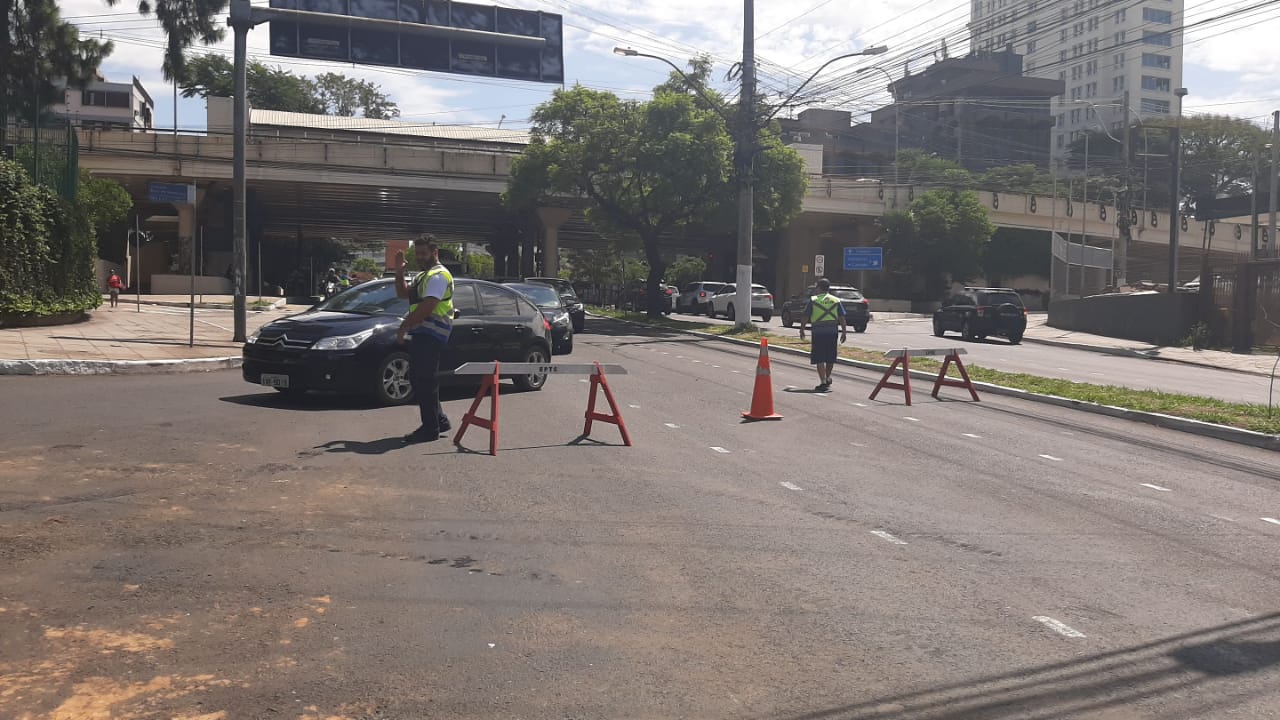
[577,310]
[857,309]
[695,299]
[722,302]
[978,312]
[348,343]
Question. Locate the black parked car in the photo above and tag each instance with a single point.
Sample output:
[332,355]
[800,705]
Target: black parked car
[577,310]
[857,309]
[348,343]
[552,306]
[978,312]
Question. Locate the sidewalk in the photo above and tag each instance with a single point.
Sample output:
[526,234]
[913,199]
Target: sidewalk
[160,332]
[1039,332]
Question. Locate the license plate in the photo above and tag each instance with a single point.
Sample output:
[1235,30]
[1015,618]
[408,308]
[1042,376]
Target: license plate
[275,381]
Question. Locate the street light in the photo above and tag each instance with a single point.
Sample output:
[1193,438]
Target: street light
[897,125]
[745,148]
[1175,193]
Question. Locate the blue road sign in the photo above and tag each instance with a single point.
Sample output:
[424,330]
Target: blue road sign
[863,258]
[171,193]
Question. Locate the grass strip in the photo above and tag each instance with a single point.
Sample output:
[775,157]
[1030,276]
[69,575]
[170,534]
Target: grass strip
[1194,407]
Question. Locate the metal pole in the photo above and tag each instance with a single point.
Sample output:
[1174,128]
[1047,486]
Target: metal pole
[1084,212]
[1175,192]
[1066,289]
[1120,248]
[1253,211]
[897,129]
[202,261]
[191,334]
[259,270]
[137,239]
[240,24]
[1275,155]
[745,151]
[1053,222]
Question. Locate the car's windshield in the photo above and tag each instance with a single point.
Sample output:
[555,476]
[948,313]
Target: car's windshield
[999,298]
[561,286]
[367,299]
[544,296]
[846,293]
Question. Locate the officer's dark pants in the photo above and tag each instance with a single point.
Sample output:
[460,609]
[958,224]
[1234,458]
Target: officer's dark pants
[424,364]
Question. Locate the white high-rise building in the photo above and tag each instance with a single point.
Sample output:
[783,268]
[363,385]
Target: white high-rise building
[1101,49]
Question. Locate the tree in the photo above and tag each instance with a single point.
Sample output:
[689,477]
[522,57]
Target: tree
[274,88]
[366,265]
[915,167]
[342,95]
[269,88]
[104,202]
[480,266]
[686,269]
[1025,178]
[1217,155]
[37,46]
[941,233]
[184,22]
[647,169]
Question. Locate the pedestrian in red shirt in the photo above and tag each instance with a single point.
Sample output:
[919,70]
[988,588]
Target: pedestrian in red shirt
[114,285]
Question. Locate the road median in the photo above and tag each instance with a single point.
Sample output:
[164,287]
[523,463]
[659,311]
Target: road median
[1237,422]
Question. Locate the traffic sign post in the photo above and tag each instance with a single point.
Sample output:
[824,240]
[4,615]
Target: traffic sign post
[177,193]
[819,265]
[863,258]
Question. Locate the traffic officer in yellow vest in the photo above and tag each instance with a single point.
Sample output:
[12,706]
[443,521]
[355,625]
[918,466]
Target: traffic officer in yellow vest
[428,324]
[826,313]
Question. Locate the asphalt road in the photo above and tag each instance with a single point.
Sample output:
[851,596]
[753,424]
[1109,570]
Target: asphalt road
[195,547]
[1052,361]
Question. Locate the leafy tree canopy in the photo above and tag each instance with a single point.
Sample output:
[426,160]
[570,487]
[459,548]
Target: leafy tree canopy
[942,233]
[274,88]
[36,47]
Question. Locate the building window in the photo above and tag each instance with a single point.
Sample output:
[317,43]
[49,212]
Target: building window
[1160,107]
[1091,90]
[1155,83]
[1062,55]
[1164,17]
[1164,62]
[1075,93]
[1094,23]
[1062,35]
[1093,45]
[1120,16]
[1119,38]
[1075,117]
[1076,72]
[1031,46]
[1031,66]
[1157,38]
[1031,27]
[1062,119]
[1061,140]
[1062,75]
[1117,83]
[1078,29]
[1091,67]
[1119,60]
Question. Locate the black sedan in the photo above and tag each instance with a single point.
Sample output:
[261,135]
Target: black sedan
[857,309]
[577,310]
[551,303]
[348,344]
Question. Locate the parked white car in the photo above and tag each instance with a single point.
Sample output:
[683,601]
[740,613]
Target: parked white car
[722,302]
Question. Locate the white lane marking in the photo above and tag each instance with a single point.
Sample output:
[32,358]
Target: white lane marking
[679,357]
[664,352]
[790,486]
[634,407]
[1050,457]
[583,380]
[860,404]
[857,444]
[673,426]
[820,395]
[735,372]
[1155,487]
[971,435]
[889,536]
[1219,517]
[719,449]
[908,417]
[1058,627]
[1273,521]
[715,366]
[1065,369]
[698,361]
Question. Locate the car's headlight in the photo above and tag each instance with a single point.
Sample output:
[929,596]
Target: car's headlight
[253,336]
[562,318]
[343,342]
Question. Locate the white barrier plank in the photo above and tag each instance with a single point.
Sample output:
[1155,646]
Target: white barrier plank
[933,352]
[486,368]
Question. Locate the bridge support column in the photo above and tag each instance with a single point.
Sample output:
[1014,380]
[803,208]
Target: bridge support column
[551,219]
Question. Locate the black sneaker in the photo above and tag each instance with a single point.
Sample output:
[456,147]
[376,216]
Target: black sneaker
[421,435]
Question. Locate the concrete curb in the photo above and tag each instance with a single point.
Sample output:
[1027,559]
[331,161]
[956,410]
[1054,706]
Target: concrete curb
[1196,427]
[1141,354]
[279,303]
[116,367]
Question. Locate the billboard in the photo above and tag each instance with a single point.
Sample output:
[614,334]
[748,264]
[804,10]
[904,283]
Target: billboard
[440,54]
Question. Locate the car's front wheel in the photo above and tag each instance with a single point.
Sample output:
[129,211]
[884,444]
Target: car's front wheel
[394,383]
[533,381]
[937,328]
[966,330]
[730,314]
[1015,338]
[786,319]
[860,327]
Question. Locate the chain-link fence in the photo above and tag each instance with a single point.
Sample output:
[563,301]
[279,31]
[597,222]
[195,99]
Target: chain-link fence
[50,155]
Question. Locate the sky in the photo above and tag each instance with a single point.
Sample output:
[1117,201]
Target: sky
[1229,68]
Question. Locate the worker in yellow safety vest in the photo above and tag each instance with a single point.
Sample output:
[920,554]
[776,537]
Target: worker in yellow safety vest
[428,325]
[825,313]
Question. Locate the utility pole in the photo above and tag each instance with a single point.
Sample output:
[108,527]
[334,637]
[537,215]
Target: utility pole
[1253,208]
[1120,259]
[241,21]
[1275,155]
[745,148]
[1175,192]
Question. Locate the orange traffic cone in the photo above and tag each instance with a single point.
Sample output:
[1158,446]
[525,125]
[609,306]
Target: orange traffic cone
[762,397]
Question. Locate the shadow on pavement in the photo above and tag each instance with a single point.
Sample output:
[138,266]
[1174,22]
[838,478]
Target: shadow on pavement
[318,401]
[1196,674]
[373,447]
[145,341]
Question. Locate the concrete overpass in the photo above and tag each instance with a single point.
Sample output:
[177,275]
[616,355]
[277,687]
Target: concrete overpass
[366,184]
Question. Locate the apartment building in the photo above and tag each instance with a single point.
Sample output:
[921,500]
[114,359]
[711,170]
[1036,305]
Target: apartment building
[1100,49]
[107,105]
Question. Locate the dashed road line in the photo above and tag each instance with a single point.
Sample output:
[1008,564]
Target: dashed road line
[719,449]
[1273,521]
[1058,627]
[885,535]
[673,426]
[634,407]
[1155,487]
[1220,517]
[971,435]
[908,417]
[1050,457]
[860,404]
[790,486]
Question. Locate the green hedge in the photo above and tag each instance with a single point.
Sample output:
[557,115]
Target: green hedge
[47,250]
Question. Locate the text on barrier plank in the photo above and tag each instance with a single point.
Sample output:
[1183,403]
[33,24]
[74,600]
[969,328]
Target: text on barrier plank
[932,352]
[486,368]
